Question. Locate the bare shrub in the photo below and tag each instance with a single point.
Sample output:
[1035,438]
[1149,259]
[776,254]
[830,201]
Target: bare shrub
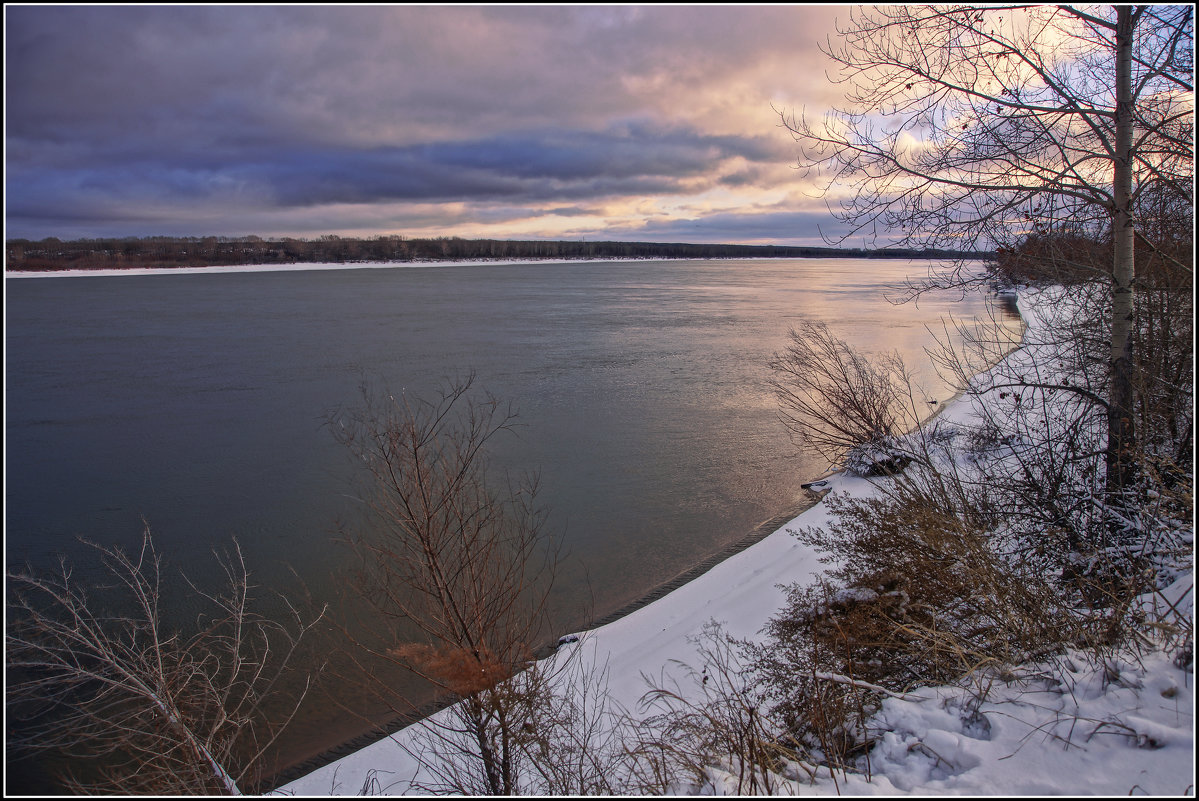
[149,709]
[711,726]
[836,400]
[577,739]
[1038,450]
[914,595]
[459,574]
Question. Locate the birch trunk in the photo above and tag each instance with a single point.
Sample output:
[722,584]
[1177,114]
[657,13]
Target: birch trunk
[1121,431]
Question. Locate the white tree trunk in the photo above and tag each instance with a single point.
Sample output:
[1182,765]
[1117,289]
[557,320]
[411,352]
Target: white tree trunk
[1121,429]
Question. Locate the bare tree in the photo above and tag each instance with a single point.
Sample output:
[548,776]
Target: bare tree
[151,709]
[459,573]
[973,126]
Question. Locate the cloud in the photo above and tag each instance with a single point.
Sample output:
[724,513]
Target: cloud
[535,166]
[115,112]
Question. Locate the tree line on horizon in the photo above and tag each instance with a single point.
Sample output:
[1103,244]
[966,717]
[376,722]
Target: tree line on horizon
[209,251]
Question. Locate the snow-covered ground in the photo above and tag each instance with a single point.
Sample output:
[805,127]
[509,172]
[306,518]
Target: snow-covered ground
[268,268]
[1122,728]
[352,265]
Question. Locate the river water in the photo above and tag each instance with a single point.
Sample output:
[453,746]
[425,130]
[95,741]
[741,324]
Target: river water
[197,402]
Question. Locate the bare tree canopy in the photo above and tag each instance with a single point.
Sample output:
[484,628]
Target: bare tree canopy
[979,126]
[458,570]
[968,125]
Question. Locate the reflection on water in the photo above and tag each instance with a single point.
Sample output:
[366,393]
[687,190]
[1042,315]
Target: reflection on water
[198,403]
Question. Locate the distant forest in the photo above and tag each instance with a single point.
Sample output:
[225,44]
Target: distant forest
[208,251]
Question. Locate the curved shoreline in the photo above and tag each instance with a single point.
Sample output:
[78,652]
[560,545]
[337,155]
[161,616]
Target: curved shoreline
[330,755]
[759,533]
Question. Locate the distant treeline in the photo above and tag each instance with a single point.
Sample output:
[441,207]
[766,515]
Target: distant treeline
[165,251]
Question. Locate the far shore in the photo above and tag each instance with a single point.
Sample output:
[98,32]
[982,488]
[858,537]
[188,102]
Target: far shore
[400,265]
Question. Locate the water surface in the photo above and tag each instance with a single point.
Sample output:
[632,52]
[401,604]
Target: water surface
[197,402]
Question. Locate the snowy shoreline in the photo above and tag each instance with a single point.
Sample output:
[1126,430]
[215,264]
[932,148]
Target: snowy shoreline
[291,267]
[742,592]
[695,572]
[395,265]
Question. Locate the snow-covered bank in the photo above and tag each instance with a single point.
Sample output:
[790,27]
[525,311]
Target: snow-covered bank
[1118,728]
[282,268]
[357,265]
[379,265]
[740,592]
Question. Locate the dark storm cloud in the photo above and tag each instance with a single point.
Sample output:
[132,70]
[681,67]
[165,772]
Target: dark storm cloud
[626,151]
[534,166]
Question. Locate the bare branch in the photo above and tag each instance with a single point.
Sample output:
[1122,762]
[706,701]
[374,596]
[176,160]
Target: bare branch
[151,710]
[460,571]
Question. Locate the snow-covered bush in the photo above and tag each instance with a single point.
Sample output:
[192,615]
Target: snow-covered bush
[914,595]
[1001,543]
[879,456]
[1039,440]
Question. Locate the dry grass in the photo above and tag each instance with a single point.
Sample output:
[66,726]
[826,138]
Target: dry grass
[915,596]
[712,726]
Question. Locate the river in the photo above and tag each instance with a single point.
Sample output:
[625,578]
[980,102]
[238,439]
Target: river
[197,402]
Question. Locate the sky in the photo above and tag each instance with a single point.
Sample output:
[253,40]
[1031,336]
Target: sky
[655,123]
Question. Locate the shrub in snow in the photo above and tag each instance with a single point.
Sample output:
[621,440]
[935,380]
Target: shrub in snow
[878,457]
[915,594]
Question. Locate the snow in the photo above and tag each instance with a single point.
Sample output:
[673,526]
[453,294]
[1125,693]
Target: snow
[275,268]
[1079,734]
[354,265]
[1073,728]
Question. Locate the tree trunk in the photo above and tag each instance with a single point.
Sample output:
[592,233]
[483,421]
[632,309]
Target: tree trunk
[1121,437]
[491,768]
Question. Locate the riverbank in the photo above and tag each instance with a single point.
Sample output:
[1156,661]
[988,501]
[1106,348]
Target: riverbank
[924,750]
[739,589]
[349,747]
[294,267]
[414,264]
